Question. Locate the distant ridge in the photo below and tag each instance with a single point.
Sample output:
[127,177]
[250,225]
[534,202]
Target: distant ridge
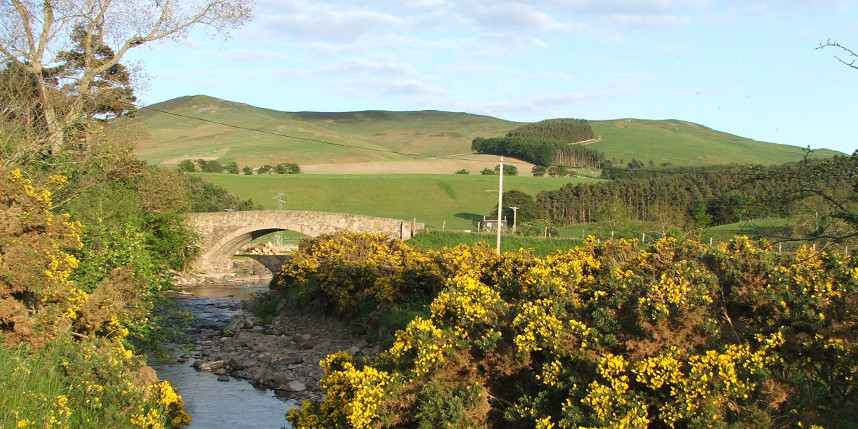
[200,126]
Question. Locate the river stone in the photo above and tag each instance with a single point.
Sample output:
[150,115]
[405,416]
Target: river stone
[290,360]
[222,377]
[293,386]
[202,366]
[236,324]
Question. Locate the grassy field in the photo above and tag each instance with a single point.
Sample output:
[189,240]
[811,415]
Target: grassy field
[540,246]
[687,143]
[407,142]
[452,201]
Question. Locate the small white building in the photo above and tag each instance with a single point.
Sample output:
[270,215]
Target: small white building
[490,224]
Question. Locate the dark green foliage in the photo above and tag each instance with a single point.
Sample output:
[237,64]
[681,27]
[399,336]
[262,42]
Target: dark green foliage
[247,171]
[539,150]
[210,166]
[187,166]
[267,310]
[287,168]
[559,171]
[231,167]
[445,405]
[526,207]
[207,197]
[508,170]
[110,94]
[265,169]
[566,130]
[700,196]
[487,172]
[463,171]
[537,228]
[538,170]
[614,219]
[634,164]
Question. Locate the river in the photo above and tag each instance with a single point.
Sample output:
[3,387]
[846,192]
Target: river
[215,404]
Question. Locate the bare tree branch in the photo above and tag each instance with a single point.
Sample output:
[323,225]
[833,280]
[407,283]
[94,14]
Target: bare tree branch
[851,57]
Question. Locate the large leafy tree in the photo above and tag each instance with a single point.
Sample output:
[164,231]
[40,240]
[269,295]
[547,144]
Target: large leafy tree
[77,46]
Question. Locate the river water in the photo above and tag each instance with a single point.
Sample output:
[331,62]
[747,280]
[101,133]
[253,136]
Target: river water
[215,404]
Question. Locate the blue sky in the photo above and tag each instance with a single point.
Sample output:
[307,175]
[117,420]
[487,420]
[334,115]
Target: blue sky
[746,67]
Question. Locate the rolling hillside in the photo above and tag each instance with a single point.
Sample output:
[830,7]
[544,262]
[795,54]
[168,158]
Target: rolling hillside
[408,142]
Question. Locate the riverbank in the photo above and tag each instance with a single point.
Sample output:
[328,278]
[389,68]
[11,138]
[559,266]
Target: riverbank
[282,356]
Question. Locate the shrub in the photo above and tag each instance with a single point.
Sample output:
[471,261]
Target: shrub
[94,384]
[613,334]
[463,171]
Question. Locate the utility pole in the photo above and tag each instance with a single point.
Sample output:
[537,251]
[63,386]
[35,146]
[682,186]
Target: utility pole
[500,205]
[514,218]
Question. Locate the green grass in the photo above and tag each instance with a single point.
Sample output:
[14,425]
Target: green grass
[304,137]
[451,202]
[509,243]
[72,384]
[685,143]
[326,138]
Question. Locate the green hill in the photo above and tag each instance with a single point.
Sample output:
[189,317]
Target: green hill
[269,137]
[204,127]
[686,143]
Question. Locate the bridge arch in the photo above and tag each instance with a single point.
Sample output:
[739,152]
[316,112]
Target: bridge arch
[224,233]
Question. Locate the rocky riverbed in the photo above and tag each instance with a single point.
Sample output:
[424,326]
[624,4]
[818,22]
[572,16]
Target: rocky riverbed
[283,356]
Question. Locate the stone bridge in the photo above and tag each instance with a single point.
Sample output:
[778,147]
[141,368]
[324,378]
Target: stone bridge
[224,233]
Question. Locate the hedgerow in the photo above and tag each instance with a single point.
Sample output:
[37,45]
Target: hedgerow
[610,335]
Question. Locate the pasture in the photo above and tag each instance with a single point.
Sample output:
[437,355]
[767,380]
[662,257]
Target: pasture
[450,202]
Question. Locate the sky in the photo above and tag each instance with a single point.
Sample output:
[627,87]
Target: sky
[745,67]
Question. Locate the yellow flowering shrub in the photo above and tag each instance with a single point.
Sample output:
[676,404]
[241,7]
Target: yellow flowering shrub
[351,268]
[354,396]
[86,384]
[37,300]
[616,335]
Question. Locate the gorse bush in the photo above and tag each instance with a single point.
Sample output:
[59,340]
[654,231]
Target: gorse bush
[70,298]
[611,335]
[94,384]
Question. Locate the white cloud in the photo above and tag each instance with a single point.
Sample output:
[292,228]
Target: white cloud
[254,55]
[403,88]
[652,22]
[514,17]
[298,18]
[363,67]
[505,43]
[635,7]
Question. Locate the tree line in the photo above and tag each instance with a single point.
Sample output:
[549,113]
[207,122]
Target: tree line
[545,143]
[539,150]
[565,130]
[231,167]
[711,195]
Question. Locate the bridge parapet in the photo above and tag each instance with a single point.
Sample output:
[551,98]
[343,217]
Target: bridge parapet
[224,233]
